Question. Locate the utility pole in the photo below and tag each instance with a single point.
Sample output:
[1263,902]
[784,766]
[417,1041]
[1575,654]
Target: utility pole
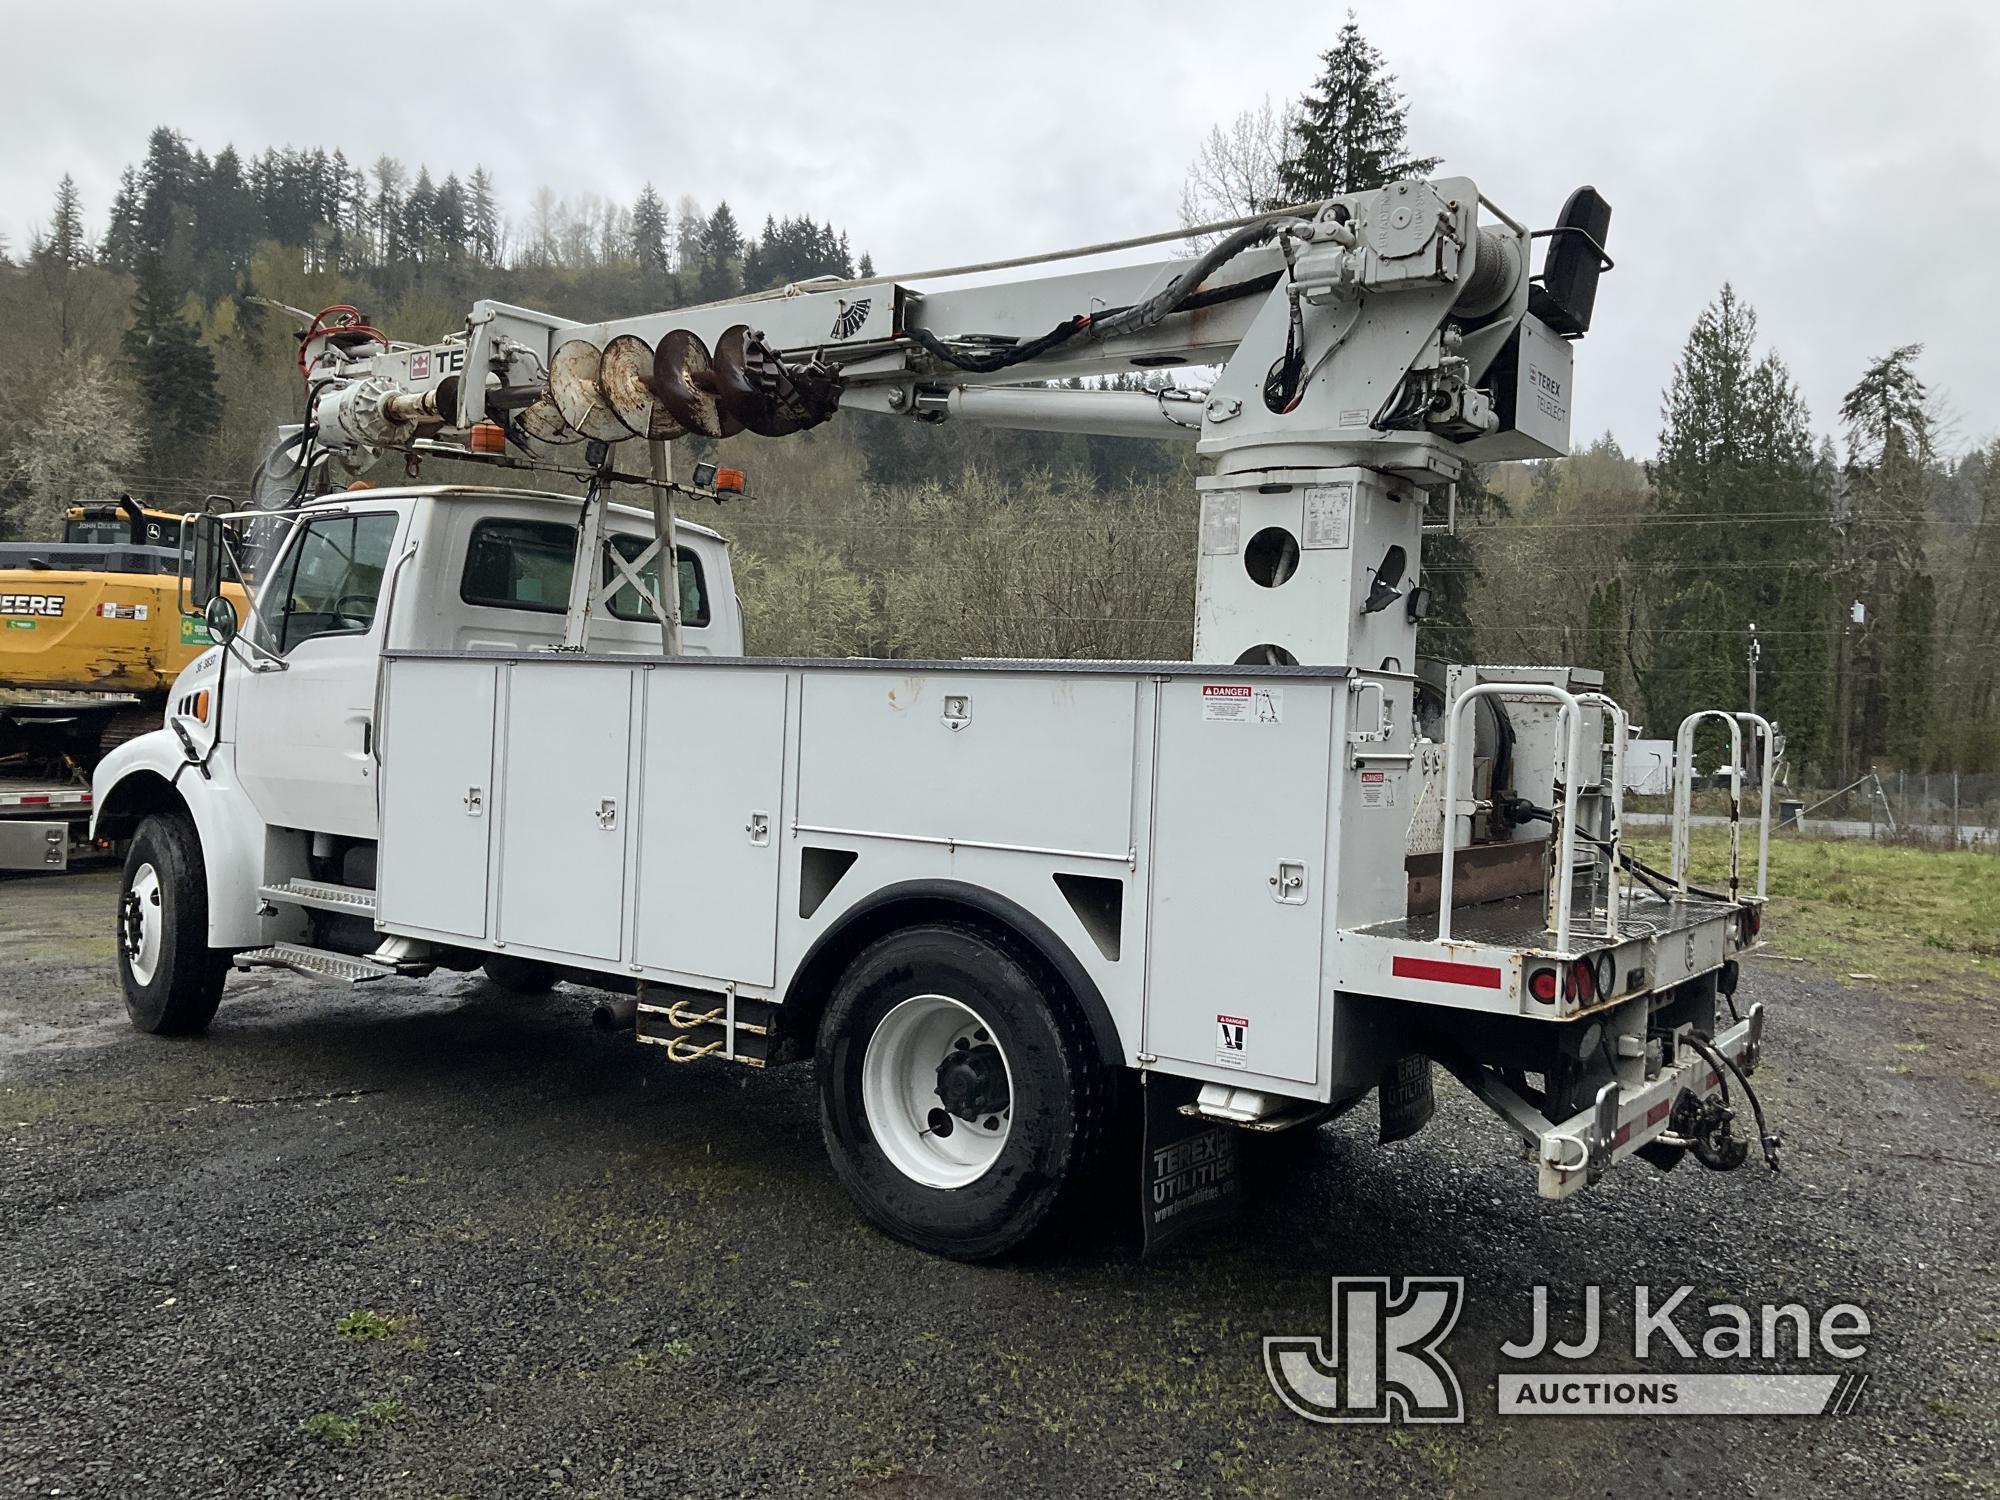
[1749,751]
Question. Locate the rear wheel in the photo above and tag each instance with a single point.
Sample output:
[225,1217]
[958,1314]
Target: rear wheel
[171,977]
[961,1099]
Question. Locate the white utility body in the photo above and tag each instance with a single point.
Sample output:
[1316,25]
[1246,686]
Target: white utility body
[471,726]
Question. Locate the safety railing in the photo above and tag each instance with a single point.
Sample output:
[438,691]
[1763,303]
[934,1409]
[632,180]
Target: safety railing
[1621,735]
[1767,795]
[1683,823]
[1570,728]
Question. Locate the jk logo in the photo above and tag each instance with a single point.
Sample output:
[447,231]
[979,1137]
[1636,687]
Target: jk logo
[1380,1362]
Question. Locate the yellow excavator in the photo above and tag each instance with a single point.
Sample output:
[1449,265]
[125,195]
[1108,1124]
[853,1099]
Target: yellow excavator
[91,636]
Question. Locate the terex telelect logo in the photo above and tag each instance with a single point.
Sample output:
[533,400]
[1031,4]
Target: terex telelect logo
[47,605]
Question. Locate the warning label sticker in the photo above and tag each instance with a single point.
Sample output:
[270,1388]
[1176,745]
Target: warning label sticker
[1329,514]
[1221,525]
[1377,790]
[1241,703]
[109,611]
[1232,1034]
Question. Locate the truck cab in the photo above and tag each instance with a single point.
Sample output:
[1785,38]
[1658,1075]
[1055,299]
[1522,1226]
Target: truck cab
[276,758]
[443,568]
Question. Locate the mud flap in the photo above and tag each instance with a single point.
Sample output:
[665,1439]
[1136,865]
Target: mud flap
[1192,1179]
[1407,1100]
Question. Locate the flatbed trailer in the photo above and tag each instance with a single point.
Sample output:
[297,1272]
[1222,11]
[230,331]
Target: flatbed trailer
[44,824]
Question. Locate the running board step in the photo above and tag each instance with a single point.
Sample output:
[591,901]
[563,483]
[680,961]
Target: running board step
[322,895]
[693,1024]
[317,963]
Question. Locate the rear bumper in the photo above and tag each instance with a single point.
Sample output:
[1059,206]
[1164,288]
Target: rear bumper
[1624,1118]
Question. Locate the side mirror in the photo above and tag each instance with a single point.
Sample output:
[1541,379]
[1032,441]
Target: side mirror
[220,617]
[204,556]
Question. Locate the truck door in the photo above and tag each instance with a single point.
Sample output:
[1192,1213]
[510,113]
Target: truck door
[304,735]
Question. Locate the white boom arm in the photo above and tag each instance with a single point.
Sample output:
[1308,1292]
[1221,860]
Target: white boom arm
[1369,349]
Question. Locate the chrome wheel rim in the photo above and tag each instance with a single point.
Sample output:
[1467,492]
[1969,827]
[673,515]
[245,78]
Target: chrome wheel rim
[937,1091]
[141,924]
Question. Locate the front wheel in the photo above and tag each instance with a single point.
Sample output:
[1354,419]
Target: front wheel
[171,977]
[961,1098]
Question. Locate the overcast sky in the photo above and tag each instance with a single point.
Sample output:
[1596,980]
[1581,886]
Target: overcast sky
[1840,163]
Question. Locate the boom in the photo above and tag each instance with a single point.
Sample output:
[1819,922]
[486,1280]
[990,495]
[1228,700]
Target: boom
[1370,349]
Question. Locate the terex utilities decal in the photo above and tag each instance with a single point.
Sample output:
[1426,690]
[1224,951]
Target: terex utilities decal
[31,604]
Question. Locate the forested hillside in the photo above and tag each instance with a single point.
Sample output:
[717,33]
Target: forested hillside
[148,349]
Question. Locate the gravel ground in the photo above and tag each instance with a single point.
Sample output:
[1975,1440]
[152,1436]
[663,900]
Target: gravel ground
[435,1240]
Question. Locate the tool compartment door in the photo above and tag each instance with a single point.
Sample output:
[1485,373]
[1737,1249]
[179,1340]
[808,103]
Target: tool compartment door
[564,812]
[1238,875]
[709,822]
[437,796]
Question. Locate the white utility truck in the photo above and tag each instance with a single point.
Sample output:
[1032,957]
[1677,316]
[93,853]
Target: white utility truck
[996,901]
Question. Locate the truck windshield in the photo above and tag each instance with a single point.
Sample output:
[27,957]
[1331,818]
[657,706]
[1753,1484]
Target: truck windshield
[527,564]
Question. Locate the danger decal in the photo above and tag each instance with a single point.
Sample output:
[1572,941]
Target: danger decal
[1240,703]
[1232,1041]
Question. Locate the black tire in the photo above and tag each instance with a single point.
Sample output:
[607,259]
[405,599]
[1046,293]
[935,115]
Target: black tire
[183,976]
[520,976]
[1060,1107]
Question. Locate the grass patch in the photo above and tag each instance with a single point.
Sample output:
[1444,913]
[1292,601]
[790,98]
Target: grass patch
[343,1431]
[332,1427]
[1904,915]
[366,1326]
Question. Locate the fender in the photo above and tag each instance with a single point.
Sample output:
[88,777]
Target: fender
[151,771]
[860,923]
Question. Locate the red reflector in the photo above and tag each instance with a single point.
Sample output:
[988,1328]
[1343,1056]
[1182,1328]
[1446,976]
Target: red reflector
[1622,1134]
[1480,976]
[40,801]
[1658,1112]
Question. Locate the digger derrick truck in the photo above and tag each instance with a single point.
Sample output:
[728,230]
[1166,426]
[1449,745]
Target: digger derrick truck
[995,901]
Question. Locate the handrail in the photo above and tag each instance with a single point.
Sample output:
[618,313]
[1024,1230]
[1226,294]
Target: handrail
[1621,726]
[1770,769]
[1572,714]
[1684,796]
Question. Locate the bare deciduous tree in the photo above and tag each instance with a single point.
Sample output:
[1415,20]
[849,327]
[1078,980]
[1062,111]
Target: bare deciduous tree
[1237,169]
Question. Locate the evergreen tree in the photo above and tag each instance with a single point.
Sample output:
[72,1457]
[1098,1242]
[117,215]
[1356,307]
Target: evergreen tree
[174,372]
[1884,520]
[65,245]
[59,254]
[1604,635]
[121,235]
[1351,132]
[1738,507]
[1913,624]
[649,235]
[721,273]
[482,218]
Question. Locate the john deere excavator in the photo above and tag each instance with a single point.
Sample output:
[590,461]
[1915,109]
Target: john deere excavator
[91,637]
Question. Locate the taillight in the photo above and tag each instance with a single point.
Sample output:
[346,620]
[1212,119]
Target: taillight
[1581,985]
[1753,920]
[1607,972]
[1542,985]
